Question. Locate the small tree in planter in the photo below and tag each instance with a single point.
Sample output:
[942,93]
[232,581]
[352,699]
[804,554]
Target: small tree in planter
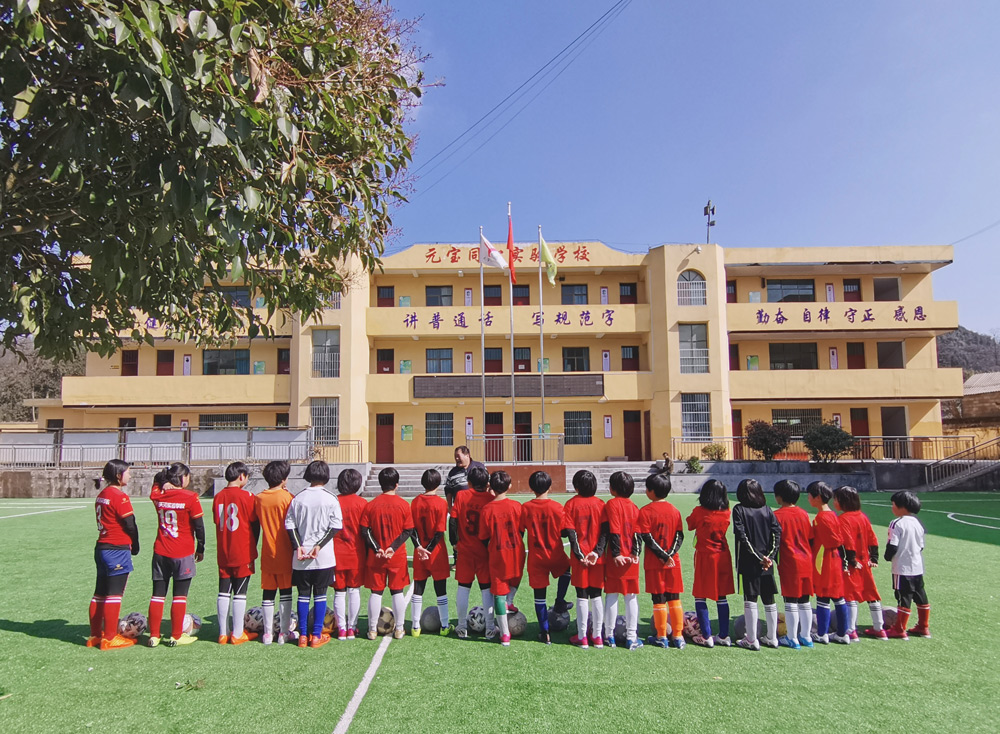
[714,452]
[827,442]
[766,438]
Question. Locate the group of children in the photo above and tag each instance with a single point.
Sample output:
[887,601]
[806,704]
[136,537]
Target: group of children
[316,540]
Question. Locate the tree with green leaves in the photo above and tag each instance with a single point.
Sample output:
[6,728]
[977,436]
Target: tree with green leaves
[767,439]
[152,150]
[827,442]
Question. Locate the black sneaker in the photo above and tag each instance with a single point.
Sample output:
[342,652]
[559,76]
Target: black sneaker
[544,637]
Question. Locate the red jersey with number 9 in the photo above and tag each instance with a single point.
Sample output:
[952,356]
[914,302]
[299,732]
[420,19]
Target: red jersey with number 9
[233,511]
[584,514]
[112,506]
[467,509]
[175,509]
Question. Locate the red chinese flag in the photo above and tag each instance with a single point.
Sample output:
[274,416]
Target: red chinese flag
[510,249]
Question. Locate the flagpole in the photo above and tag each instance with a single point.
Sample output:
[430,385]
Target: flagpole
[513,400]
[541,341]
[482,338]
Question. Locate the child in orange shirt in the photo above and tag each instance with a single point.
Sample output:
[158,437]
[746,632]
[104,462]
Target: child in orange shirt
[271,506]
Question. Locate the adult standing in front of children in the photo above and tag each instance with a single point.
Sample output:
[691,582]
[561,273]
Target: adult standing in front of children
[458,477]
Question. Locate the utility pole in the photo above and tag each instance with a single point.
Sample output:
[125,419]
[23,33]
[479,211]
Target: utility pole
[709,213]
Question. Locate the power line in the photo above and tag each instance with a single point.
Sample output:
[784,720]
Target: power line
[987,228]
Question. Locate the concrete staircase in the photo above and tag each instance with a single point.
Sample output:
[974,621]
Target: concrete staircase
[604,469]
[409,478]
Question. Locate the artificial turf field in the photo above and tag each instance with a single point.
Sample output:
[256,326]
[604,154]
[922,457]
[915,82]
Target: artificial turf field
[50,682]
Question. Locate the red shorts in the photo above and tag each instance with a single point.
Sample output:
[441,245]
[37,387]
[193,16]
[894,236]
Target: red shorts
[501,587]
[437,567]
[377,577]
[272,581]
[470,566]
[713,575]
[236,572]
[587,577]
[860,585]
[621,579]
[828,582]
[664,580]
[348,578]
[794,586]
[541,569]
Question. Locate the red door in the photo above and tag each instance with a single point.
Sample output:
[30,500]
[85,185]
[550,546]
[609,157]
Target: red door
[494,446]
[860,431]
[738,435]
[522,442]
[385,437]
[633,435]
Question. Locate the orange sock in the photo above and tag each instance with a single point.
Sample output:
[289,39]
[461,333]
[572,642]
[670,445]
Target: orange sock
[923,616]
[660,619]
[676,617]
[902,618]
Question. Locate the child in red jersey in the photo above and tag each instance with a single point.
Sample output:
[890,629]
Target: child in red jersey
[713,563]
[236,533]
[386,524]
[794,565]
[659,526]
[541,519]
[430,557]
[349,576]
[471,560]
[499,529]
[621,569]
[175,553]
[862,556]
[582,522]
[829,566]
[117,542]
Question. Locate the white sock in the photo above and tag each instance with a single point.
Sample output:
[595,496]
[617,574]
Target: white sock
[239,609]
[610,614]
[791,619]
[502,623]
[399,610]
[374,609]
[771,621]
[853,608]
[462,606]
[222,606]
[597,615]
[443,611]
[268,606]
[510,596]
[750,617]
[582,616]
[285,613]
[805,620]
[488,601]
[631,616]
[340,609]
[416,607]
[353,607]
[875,607]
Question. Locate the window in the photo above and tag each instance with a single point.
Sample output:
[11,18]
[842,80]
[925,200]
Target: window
[576,427]
[493,359]
[438,429]
[691,289]
[630,359]
[794,356]
[333,300]
[628,293]
[225,362]
[852,289]
[281,420]
[696,416]
[438,361]
[164,362]
[522,359]
[385,361]
[797,420]
[574,294]
[694,348]
[576,359]
[55,424]
[855,355]
[438,295]
[238,295]
[325,415]
[326,352]
[890,356]
[734,357]
[522,295]
[161,421]
[784,291]
[886,289]
[492,296]
[127,424]
[223,421]
[386,295]
[284,361]
[130,362]
[731,291]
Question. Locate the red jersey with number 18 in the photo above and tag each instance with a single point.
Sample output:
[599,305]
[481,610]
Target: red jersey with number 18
[175,509]
[233,512]
[112,506]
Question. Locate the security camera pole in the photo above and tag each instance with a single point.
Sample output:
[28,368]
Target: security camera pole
[709,213]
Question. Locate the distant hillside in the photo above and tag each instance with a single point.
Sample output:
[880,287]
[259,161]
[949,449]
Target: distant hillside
[970,350]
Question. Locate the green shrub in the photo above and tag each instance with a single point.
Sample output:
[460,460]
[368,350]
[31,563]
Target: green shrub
[827,442]
[693,465]
[767,439]
[714,452]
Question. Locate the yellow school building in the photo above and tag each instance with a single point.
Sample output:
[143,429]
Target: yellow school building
[644,354]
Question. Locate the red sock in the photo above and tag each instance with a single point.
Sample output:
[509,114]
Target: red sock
[112,608]
[178,607]
[96,615]
[902,618]
[155,615]
[923,616]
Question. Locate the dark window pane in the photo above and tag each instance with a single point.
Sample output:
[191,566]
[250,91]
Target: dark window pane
[794,356]
[783,291]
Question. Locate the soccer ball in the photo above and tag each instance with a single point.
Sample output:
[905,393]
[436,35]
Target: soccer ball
[329,620]
[621,632]
[386,621]
[517,624]
[691,626]
[558,621]
[889,615]
[253,620]
[477,620]
[430,620]
[293,622]
[192,623]
[132,625]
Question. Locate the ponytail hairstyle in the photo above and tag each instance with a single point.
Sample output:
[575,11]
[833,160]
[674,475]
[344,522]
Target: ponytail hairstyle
[113,472]
[174,474]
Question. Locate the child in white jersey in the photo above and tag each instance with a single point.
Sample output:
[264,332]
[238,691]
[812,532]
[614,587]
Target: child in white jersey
[905,550]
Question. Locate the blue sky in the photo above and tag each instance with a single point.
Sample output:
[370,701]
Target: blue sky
[849,123]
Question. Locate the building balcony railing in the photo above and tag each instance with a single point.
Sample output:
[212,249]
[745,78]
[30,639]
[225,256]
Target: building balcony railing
[844,384]
[326,363]
[866,448]
[694,360]
[209,390]
[915,316]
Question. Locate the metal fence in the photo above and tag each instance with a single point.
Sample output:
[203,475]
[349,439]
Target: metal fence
[866,448]
[964,465]
[694,360]
[517,448]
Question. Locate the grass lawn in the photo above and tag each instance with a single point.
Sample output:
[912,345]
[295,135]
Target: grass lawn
[50,682]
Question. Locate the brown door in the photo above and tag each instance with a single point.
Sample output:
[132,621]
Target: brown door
[647,434]
[633,435]
[860,431]
[522,443]
[385,361]
[738,435]
[494,446]
[385,437]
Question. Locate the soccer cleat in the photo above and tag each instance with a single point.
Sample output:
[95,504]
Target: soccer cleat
[93,642]
[723,641]
[491,633]
[415,631]
[853,634]
[352,633]
[223,639]
[897,634]
[658,641]
[678,642]
[841,639]
[445,631]
[116,643]
[544,637]
[153,641]
[768,642]
[184,639]
[597,641]
[462,633]
[634,644]
[786,641]
[561,608]
[399,633]
[876,634]
[580,642]
[746,644]
[821,639]
[303,641]
[251,635]
[505,640]
[245,637]
[806,642]
[372,635]
[703,641]
[919,631]
[319,641]
[610,641]
[282,638]
[268,638]
[342,635]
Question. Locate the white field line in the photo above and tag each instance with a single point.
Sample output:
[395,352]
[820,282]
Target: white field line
[359,694]
[946,512]
[40,512]
[951,516]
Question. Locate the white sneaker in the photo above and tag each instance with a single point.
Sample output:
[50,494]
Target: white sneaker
[821,639]
[841,639]
[746,644]
[768,642]
[267,638]
[703,641]
[723,641]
